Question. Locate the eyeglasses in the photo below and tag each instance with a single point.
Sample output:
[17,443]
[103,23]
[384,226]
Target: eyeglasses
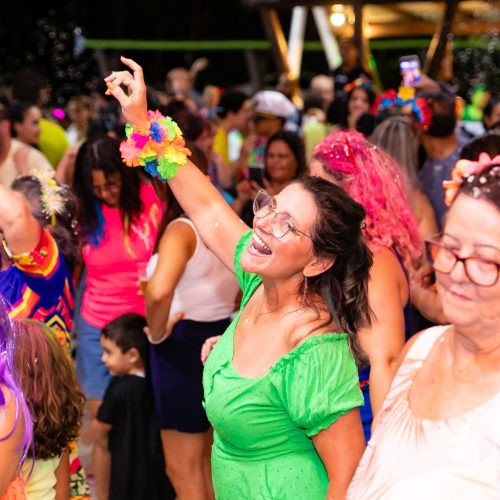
[110,187]
[481,271]
[281,223]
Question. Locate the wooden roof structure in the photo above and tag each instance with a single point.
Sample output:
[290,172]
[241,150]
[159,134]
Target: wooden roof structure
[381,19]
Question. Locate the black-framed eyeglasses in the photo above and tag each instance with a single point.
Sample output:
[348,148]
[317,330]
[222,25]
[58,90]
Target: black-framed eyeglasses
[479,270]
[281,223]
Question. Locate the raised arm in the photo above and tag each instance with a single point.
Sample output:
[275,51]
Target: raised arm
[20,229]
[219,227]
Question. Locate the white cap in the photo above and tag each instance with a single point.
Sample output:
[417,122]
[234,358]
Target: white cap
[272,103]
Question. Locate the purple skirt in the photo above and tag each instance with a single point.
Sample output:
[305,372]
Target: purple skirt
[176,373]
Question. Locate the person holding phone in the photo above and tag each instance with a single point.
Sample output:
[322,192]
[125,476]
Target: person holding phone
[410,70]
[284,161]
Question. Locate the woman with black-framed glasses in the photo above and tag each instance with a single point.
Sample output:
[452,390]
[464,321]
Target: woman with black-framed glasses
[281,386]
[436,436]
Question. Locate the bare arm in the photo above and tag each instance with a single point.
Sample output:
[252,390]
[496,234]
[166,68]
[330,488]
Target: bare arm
[96,431]
[340,448]
[10,452]
[20,229]
[384,340]
[427,225]
[62,477]
[177,246]
[219,227]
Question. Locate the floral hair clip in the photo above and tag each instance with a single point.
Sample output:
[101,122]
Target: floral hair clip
[405,96]
[464,169]
[52,194]
[158,146]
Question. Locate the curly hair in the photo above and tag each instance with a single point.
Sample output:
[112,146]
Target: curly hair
[65,229]
[338,233]
[49,384]
[375,181]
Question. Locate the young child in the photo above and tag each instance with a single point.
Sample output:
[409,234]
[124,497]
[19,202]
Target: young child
[126,415]
[48,381]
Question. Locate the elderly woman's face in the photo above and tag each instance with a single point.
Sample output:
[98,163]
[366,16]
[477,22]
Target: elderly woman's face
[282,258]
[472,229]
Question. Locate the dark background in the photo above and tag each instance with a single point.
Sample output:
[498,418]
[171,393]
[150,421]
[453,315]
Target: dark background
[43,35]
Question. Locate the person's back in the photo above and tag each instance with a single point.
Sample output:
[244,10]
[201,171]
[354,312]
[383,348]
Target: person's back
[442,145]
[137,470]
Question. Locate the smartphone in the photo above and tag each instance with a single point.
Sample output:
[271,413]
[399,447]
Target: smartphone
[409,67]
[256,173]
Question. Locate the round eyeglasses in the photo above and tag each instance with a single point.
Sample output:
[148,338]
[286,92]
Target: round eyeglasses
[479,270]
[281,223]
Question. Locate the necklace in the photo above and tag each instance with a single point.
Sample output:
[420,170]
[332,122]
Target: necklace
[258,314]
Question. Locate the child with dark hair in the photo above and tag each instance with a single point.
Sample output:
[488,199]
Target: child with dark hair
[126,416]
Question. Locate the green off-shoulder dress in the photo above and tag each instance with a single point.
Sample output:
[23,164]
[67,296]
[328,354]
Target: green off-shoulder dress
[263,426]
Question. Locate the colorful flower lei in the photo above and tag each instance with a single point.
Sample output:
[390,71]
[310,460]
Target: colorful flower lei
[406,97]
[464,169]
[158,146]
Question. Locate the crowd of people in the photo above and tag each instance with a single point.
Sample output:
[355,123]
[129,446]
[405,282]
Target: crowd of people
[229,291]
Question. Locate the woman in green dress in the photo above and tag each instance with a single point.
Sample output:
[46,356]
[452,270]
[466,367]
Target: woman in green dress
[281,387]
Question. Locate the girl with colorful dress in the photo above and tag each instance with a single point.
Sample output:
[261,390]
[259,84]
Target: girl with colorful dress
[48,381]
[39,252]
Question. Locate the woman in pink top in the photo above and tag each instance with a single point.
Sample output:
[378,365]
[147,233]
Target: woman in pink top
[119,215]
[437,435]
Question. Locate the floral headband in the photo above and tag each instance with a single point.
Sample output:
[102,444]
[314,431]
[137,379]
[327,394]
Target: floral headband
[465,169]
[359,82]
[405,96]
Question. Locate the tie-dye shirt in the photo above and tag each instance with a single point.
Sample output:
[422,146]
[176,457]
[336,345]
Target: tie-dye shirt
[39,286]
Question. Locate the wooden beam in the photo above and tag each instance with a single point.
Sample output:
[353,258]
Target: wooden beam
[289,4]
[357,7]
[274,32]
[437,48]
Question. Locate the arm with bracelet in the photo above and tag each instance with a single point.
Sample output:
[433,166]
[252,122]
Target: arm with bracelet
[155,143]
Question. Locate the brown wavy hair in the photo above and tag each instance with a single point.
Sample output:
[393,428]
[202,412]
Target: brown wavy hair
[49,384]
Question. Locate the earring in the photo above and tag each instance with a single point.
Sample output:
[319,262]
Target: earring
[304,294]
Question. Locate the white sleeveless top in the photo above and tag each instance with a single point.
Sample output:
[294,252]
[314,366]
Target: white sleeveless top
[207,288]
[410,458]
[41,479]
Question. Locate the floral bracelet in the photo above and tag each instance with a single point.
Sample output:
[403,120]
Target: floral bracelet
[157,145]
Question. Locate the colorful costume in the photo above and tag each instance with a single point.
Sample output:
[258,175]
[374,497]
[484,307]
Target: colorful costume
[39,286]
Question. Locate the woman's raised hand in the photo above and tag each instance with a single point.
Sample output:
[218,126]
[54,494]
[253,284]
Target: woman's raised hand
[134,104]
